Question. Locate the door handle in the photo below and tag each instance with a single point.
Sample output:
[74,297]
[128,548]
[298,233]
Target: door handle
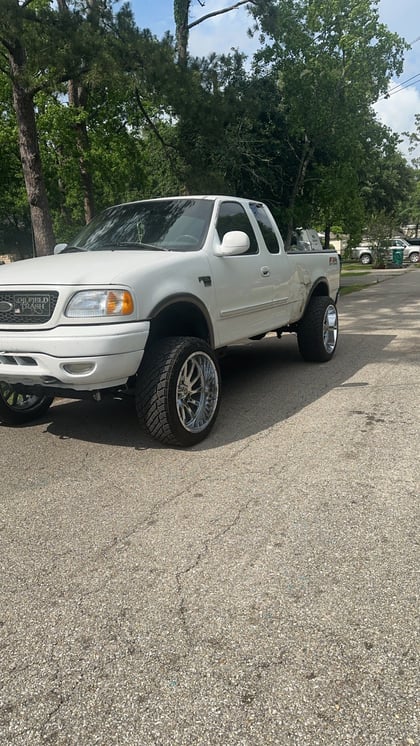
[265,271]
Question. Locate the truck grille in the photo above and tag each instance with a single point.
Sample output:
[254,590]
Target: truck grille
[33,307]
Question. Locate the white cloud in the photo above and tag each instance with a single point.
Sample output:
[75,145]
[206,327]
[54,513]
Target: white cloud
[221,33]
[229,30]
[398,112]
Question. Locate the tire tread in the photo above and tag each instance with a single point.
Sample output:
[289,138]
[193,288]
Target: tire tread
[151,392]
[310,341]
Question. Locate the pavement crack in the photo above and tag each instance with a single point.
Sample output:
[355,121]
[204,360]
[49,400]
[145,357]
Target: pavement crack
[182,574]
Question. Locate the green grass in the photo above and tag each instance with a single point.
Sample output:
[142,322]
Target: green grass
[361,269]
[352,288]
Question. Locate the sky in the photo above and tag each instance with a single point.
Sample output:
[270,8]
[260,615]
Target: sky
[223,32]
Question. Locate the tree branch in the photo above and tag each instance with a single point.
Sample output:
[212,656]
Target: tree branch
[150,122]
[219,12]
[7,45]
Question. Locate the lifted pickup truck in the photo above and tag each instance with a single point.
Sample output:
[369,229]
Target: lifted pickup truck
[145,297]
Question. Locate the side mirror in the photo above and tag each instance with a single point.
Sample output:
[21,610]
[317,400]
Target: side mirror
[234,242]
[59,247]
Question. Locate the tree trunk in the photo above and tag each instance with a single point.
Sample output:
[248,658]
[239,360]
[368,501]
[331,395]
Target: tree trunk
[181,14]
[42,226]
[305,160]
[77,98]
[327,236]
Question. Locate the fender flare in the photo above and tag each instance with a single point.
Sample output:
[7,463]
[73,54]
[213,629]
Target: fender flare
[191,299]
[318,282]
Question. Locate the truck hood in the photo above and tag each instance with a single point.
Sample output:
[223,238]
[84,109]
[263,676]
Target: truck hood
[87,268]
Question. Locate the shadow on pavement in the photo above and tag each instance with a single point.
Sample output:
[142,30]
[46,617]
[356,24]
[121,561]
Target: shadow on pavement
[263,383]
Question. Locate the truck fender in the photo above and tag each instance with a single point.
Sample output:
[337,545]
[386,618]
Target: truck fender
[320,287]
[181,307]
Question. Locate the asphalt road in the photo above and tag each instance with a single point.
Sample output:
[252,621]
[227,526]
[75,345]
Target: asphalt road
[258,589]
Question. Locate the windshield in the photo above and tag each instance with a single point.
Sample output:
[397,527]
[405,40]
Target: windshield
[168,225]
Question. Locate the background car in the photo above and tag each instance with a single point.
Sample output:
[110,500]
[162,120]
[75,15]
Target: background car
[365,253]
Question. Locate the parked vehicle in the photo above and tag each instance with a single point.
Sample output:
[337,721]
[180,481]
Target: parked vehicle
[364,253]
[143,299]
[305,239]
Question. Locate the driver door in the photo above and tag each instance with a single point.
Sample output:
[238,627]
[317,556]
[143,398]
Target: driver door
[243,284]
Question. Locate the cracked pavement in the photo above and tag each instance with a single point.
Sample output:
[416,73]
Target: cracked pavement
[258,589]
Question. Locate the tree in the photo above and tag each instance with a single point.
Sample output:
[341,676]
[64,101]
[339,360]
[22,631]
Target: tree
[45,46]
[410,211]
[20,26]
[183,24]
[15,227]
[333,60]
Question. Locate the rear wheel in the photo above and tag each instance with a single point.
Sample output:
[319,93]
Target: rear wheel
[16,408]
[366,259]
[318,330]
[178,390]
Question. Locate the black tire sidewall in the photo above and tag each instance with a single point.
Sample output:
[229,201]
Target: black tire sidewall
[164,362]
[311,331]
[12,416]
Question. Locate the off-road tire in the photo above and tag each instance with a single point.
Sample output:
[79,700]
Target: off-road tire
[18,409]
[317,332]
[178,390]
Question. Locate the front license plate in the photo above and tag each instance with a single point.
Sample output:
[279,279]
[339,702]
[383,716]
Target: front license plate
[32,304]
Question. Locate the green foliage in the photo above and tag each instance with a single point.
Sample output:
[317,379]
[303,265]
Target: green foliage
[378,231]
[15,230]
[410,210]
[333,60]
[296,130]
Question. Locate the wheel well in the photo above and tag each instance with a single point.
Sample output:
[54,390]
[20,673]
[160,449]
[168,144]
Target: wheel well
[183,319]
[320,289]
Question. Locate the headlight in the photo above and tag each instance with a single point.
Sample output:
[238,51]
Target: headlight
[105,303]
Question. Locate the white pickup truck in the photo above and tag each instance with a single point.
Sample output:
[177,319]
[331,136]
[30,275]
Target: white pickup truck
[144,299]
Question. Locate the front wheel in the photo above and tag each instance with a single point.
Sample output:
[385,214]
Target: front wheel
[366,259]
[17,409]
[318,330]
[414,257]
[178,390]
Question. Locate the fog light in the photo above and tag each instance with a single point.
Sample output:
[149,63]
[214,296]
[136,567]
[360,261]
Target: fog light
[78,369]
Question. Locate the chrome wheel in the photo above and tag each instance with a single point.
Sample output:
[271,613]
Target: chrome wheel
[197,392]
[317,331]
[178,390]
[330,329]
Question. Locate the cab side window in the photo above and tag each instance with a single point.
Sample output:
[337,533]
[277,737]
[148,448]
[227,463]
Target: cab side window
[232,217]
[266,228]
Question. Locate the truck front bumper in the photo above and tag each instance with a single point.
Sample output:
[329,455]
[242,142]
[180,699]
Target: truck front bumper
[82,358]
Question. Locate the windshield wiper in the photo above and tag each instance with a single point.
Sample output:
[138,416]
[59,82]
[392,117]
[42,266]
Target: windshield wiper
[71,249]
[134,245]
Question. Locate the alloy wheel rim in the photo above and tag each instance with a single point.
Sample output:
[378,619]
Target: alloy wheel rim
[18,402]
[330,328]
[197,392]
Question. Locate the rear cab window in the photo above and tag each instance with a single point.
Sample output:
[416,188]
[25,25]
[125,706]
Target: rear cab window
[266,227]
